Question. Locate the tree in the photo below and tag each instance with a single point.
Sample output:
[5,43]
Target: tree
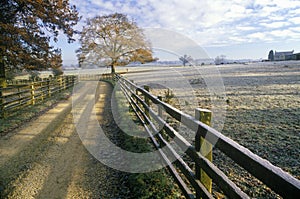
[271,56]
[26,28]
[186,59]
[220,59]
[142,55]
[113,40]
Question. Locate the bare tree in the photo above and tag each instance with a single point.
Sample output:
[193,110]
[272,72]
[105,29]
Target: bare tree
[220,59]
[186,59]
[113,40]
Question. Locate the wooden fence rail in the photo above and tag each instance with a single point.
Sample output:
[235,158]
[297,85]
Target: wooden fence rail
[22,94]
[275,178]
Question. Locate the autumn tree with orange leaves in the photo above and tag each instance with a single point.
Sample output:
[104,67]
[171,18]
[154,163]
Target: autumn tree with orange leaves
[113,40]
[26,29]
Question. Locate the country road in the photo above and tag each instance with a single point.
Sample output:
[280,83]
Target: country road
[47,159]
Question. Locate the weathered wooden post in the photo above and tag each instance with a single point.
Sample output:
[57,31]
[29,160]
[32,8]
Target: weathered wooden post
[204,147]
[159,106]
[32,88]
[48,88]
[42,90]
[19,94]
[137,94]
[67,82]
[147,101]
[160,112]
[60,79]
[2,115]
[75,79]
[64,82]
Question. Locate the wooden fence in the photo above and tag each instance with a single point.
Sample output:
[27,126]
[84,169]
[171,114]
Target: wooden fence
[188,179]
[20,94]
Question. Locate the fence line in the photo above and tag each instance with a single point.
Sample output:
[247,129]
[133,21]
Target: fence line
[18,95]
[275,178]
[281,182]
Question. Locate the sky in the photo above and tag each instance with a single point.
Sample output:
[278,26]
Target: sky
[238,29]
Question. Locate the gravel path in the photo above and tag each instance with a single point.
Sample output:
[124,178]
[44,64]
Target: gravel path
[55,164]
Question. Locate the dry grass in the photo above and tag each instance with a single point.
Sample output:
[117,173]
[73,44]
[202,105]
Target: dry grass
[262,112]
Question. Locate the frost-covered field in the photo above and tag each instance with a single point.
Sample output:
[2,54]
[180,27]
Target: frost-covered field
[258,106]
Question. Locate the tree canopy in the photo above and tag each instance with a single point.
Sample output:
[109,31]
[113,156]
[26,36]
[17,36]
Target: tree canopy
[113,40]
[26,28]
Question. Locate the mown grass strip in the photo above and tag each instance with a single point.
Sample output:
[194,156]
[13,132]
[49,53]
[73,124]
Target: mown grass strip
[155,184]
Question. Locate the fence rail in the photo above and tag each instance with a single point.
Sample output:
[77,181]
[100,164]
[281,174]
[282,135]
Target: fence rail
[275,178]
[16,96]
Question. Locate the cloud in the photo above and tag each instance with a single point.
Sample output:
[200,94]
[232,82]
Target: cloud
[295,20]
[209,23]
[276,24]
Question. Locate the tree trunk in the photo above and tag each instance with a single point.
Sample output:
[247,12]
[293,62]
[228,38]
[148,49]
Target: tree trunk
[2,76]
[113,68]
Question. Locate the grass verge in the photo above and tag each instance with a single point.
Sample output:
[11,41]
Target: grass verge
[155,184]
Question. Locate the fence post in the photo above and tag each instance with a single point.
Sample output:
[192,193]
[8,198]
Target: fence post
[159,106]
[42,90]
[160,111]
[60,87]
[64,82]
[137,94]
[2,115]
[74,79]
[32,93]
[204,147]
[147,101]
[19,95]
[68,81]
[48,88]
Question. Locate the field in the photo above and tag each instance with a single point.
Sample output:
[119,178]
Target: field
[255,104]
[258,107]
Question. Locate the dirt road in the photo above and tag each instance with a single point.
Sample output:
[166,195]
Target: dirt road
[53,163]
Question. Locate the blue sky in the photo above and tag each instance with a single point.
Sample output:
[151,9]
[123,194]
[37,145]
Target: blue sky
[235,28]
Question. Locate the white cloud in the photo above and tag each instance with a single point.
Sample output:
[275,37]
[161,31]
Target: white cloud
[245,28]
[257,35]
[276,24]
[287,33]
[210,23]
[295,20]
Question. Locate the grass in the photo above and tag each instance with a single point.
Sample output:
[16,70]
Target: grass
[262,113]
[155,184]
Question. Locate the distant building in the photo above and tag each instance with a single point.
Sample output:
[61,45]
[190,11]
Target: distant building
[282,56]
[271,55]
[296,56]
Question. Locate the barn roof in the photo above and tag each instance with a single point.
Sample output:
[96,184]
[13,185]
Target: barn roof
[284,52]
